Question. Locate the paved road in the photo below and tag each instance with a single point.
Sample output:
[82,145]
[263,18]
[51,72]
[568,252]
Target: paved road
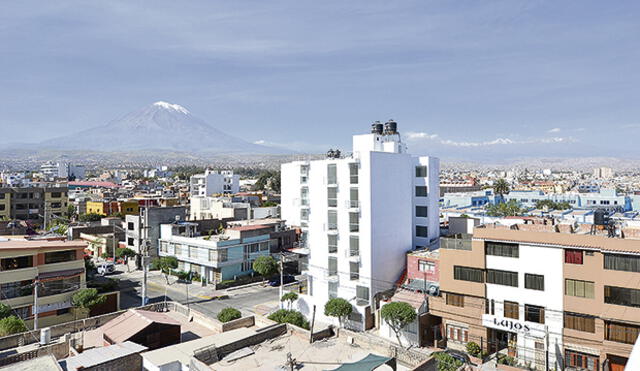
[245,299]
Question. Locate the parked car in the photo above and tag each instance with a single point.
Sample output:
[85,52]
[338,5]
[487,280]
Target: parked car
[287,279]
[106,268]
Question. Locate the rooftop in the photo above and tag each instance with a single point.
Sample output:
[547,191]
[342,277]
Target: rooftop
[22,244]
[96,356]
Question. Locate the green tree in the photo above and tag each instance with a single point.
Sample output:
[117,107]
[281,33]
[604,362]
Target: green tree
[91,217]
[289,297]
[70,212]
[265,265]
[398,315]
[126,253]
[166,264]
[11,325]
[87,298]
[289,316]
[501,187]
[5,310]
[338,308]
[228,314]
[510,208]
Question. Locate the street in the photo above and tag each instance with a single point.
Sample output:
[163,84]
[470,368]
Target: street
[201,299]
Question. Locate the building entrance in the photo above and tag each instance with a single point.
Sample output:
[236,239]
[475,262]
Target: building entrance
[499,340]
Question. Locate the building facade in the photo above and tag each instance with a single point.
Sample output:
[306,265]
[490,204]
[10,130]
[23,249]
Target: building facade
[359,216]
[567,299]
[33,203]
[55,267]
[147,224]
[214,182]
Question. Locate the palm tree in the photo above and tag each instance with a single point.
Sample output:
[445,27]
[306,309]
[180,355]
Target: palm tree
[501,187]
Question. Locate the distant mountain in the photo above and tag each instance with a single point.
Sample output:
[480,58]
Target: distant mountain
[159,126]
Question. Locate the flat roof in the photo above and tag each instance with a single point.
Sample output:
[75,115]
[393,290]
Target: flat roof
[96,356]
[44,363]
[585,241]
[22,244]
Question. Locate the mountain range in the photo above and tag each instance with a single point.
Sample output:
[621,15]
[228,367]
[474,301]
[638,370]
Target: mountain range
[158,126]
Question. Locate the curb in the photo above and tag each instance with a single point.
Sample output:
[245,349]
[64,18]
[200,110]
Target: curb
[170,288]
[245,286]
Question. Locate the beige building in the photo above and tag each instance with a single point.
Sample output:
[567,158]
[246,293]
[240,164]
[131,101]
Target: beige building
[56,267]
[543,293]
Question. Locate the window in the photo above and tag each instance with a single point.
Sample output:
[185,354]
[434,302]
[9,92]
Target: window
[353,197]
[422,211]
[581,361]
[457,333]
[2,196]
[490,306]
[332,219]
[247,265]
[48,288]
[130,241]
[354,222]
[362,294]
[455,299]
[19,262]
[511,310]
[421,171]
[421,191]
[332,177]
[622,296]
[573,256]
[510,250]
[332,196]
[2,207]
[621,333]
[164,247]
[534,313]
[130,226]
[353,173]
[624,263]
[56,194]
[333,290]
[354,246]
[580,322]
[333,243]
[354,271]
[12,290]
[304,196]
[467,274]
[426,266]
[581,289]
[304,214]
[62,311]
[505,278]
[422,231]
[534,281]
[223,255]
[59,256]
[333,266]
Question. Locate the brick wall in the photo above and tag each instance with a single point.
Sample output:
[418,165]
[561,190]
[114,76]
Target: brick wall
[413,271]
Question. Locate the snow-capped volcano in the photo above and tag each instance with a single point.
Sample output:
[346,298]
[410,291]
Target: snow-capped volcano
[161,125]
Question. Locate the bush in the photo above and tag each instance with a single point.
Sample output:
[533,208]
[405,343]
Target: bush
[506,360]
[446,362]
[290,316]
[474,349]
[229,314]
[87,298]
[5,311]
[11,325]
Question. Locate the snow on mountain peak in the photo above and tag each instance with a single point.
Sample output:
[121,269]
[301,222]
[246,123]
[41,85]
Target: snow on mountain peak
[175,107]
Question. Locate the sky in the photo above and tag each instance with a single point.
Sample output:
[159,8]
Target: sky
[463,79]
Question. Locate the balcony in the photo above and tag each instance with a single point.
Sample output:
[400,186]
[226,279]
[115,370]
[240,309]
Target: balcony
[353,205]
[331,276]
[456,242]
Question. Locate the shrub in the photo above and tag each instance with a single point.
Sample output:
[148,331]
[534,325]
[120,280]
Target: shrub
[506,360]
[229,314]
[87,298]
[446,362]
[5,311]
[11,325]
[290,316]
[474,349]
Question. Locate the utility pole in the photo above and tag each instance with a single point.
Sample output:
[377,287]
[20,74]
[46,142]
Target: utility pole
[281,279]
[313,321]
[114,243]
[35,304]
[546,347]
[145,257]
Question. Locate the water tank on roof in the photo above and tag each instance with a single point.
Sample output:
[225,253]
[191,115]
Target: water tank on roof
[377,128]
[600,217]
[390,127]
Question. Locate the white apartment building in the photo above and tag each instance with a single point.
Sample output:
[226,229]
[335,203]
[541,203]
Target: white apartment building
[603,173]
[359,216]
[226,208]
[214,182]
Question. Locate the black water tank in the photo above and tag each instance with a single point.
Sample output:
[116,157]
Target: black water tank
[391,127]
[376,128]
[600,217]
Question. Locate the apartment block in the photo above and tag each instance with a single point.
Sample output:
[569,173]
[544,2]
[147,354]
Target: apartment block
[56,267]
[33,203]
[359,216]
[147,223]
[567,299]
[214,182]
[215,258]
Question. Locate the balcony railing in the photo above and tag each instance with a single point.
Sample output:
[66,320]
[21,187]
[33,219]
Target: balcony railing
[457,242]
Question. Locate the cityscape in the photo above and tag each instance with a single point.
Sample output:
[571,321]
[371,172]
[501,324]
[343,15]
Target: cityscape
[272,215]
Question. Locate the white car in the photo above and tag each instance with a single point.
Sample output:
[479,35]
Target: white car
[106,268]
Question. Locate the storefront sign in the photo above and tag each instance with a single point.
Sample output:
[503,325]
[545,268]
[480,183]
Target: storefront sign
[511,325]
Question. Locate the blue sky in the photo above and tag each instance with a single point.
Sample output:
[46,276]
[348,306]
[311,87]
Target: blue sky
[462,78]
